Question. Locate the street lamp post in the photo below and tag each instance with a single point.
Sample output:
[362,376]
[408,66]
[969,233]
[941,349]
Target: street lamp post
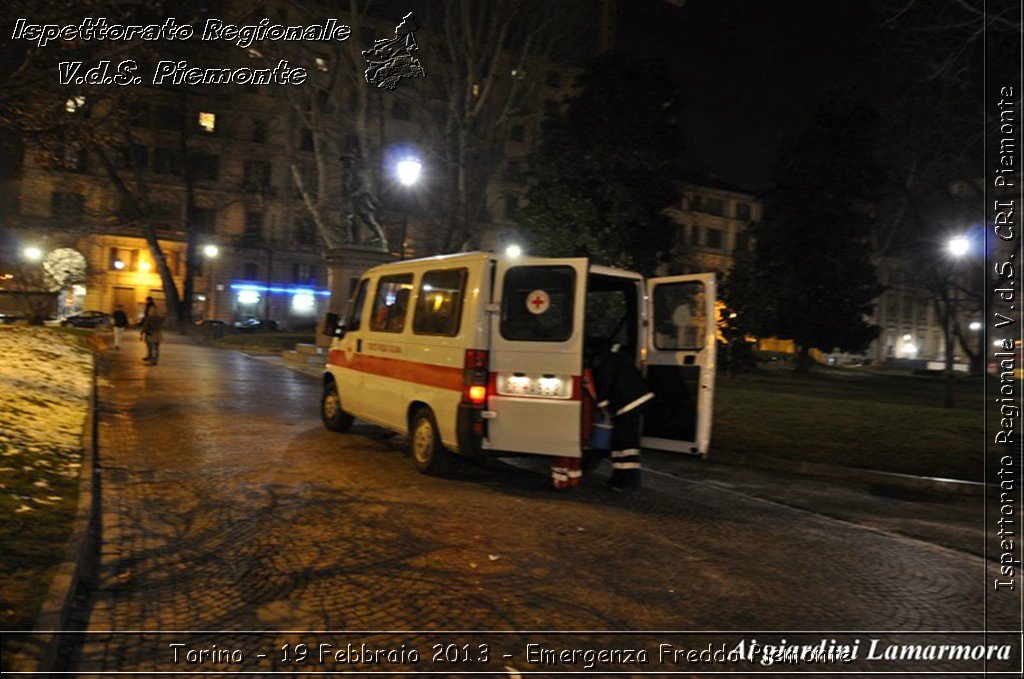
[210,253]
[407,171]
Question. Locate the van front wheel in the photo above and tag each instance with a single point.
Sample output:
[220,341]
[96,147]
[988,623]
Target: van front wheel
[428,454]
[333,416]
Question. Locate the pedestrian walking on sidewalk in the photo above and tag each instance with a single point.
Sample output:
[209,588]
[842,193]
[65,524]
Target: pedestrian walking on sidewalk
[120,320]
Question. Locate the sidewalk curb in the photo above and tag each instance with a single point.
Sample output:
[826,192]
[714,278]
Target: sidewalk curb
[37,652]
[922,483]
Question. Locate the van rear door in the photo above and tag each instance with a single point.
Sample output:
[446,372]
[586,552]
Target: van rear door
[680,344]
[536,356]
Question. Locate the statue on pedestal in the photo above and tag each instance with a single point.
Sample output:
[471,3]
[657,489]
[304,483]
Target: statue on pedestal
[361,204]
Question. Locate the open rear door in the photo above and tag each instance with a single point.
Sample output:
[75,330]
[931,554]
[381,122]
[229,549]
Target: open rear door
[536,356]
[680,344]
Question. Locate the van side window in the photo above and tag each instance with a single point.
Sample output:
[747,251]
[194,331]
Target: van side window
[355,310]
[391,303]
[439,304]
[537,303]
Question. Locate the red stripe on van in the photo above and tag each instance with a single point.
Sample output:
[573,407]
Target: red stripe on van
[442,377]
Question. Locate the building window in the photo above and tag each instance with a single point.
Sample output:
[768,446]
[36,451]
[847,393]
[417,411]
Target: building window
[66,204]
[551,108]
[306,140]
[400,111]
[72,159]
[517,133]
[207,122]
[251,271]
[204,220]
[257,175]
[715,206]
[714,238]
[204,166]
[743,211]
[259,131]
[75,104]
[695,235]
[253,225]
[166,161]
[303,274]
[553,79]
[305,231]
[696,204]
[514,170]
[165,117]
[122,259]
[136,157]
[322,64]
[511,205]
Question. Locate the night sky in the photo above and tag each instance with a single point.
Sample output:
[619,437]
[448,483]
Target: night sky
[752,71]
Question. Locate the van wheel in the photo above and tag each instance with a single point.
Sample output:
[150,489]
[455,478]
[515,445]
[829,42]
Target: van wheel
[333,416]
[428,454]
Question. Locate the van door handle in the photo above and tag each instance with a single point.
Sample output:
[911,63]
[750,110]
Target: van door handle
[359,346]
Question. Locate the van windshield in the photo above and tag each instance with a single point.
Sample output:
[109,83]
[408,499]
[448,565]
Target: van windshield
[537,303]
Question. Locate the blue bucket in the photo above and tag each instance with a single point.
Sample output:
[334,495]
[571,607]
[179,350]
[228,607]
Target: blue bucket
[601,435]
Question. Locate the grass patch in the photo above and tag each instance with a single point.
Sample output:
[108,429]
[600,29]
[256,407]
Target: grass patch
[265,342]
[45,384]
[855,419]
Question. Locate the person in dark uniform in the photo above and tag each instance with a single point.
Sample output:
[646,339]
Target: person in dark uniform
[623,393]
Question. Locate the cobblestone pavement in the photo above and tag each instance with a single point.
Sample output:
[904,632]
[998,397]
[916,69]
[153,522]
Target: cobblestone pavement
[228,509]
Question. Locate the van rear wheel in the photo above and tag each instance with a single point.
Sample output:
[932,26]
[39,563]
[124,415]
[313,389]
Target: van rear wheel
[428,453]
[331,413]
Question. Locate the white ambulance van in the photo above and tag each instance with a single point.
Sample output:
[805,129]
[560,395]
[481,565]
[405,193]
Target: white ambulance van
[484,354]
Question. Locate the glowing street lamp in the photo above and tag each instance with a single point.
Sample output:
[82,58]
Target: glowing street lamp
[407,171]
[210,251]
[958,246]
[32,253]
[513,250]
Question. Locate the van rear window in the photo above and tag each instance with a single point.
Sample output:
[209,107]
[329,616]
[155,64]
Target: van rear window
[537,303]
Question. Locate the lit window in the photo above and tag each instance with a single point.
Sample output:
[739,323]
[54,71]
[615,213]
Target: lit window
[303,301]
[74,104]
[321,64]
[207,121]
[248,297]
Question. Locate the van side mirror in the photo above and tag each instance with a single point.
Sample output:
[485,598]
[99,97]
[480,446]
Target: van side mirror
[331,327]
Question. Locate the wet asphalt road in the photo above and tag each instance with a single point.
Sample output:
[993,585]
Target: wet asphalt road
[229,510]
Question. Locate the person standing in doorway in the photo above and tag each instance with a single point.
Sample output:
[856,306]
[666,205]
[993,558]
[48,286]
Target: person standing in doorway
[120,321]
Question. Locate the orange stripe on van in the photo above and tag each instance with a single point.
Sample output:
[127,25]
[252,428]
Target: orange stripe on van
[442,377]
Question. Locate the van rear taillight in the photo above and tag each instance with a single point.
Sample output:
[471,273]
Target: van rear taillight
[475,378]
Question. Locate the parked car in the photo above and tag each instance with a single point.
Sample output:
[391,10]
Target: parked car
[211,328]
[255,325]
[8,319]
[87,319]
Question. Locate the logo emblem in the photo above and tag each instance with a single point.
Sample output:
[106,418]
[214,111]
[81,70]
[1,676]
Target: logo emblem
[538,302]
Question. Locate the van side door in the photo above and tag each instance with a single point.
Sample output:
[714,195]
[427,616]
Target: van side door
[680,343]
[536,356]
